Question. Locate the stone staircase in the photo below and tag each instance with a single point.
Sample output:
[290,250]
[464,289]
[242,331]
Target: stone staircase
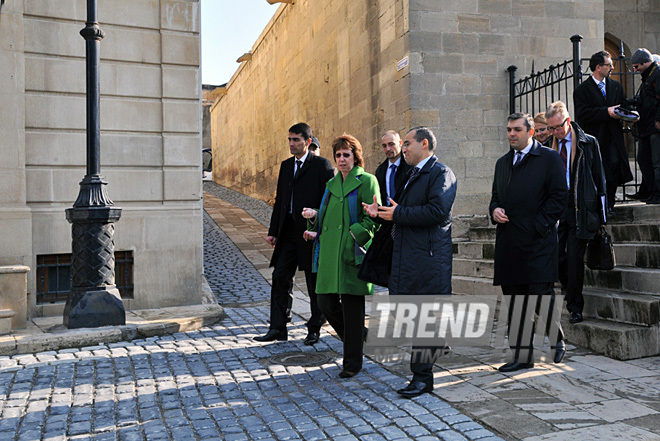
[622,306]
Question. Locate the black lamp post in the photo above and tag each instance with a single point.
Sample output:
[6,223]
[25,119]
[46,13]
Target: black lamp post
[94,300]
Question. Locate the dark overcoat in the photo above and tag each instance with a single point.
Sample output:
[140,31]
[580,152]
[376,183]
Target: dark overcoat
[308,187]
[399,179]
[533,196]
[422,253]
[592,116]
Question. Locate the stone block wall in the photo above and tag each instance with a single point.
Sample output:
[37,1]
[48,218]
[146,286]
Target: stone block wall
[460,51]
[330,63]
[636,22]
[150,135]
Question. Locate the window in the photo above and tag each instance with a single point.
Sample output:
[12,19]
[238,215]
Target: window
[54,276]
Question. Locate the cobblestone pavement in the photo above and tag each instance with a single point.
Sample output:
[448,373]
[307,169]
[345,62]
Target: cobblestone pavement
[217,383]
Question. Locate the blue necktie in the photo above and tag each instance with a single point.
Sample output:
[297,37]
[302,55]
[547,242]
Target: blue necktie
[392,186]
[601,86]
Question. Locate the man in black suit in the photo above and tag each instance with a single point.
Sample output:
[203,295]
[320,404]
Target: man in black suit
[301,183]
[595,100]
[393,165]
[528,198]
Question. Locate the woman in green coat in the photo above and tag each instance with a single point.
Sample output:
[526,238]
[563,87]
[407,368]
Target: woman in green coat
[341,225]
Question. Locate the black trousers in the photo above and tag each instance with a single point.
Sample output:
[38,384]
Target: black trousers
[345,313]
[571,262]
[281,293]
[648,159]
[522,317]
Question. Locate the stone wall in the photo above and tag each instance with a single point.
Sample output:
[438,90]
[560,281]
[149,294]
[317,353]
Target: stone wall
[330,63]
[635,22]
[150,136]
[334,66]
[460,51]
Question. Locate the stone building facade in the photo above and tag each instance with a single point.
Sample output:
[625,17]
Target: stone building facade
[367,66]
[150,139]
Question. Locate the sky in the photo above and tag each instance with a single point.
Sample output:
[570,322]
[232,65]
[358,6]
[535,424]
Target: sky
[229,29]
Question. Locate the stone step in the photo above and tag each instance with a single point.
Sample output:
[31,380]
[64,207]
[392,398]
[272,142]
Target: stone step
[639,255]
[635,213]
[6,316]
[617,340]
[473,267]
[635,233]
[476,250]
[474,285]
[633,280]
[482,233]
[623,307]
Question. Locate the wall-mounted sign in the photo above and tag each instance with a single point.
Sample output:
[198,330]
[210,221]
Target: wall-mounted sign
[402,63]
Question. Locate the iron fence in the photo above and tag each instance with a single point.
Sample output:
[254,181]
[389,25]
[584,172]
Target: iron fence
[535,92]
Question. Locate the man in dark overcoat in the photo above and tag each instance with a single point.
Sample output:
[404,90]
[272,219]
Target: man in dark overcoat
[422,252]
[585,204]
[301,183]
[394,166]
[595,101]
[528,198]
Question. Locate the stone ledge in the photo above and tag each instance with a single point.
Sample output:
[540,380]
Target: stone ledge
[143,324]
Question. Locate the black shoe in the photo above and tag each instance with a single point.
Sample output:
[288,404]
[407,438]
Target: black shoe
[312,338]
[272,335]
[560,351]
[654,201]
[415,388]
[611,214]
[515,366]
[347,374]
[638,196]
[576,317]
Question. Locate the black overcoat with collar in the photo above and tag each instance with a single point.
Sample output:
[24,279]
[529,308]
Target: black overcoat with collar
[399,179]
[533,196]
[308,187]
[592,116]
[422,249]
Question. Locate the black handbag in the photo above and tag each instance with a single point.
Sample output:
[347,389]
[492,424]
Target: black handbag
[377,263]
[600,251]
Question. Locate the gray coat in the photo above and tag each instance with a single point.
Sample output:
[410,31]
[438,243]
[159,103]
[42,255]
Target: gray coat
[422,255]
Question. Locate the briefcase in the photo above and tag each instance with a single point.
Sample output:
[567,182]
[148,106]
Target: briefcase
[600,251]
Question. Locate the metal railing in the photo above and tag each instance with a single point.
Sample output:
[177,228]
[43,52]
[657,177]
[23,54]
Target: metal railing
[535,92]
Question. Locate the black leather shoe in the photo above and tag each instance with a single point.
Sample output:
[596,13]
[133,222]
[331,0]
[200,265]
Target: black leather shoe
[347,374]
[576,317]
[560,351]
[272,335]
[515,366]
[414,389]
[638,196]
[312,338]
[653,202]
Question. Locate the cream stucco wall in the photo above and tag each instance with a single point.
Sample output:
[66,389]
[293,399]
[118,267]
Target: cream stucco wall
[330,63]
[150,136]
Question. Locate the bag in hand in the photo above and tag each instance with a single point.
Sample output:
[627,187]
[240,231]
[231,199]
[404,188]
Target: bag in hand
[600,251]
[377,263]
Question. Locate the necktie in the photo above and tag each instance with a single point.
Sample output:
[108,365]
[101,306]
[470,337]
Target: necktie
[519,157]
[392,186]
[601,86]
[563,155]
[295,172]
[298,164]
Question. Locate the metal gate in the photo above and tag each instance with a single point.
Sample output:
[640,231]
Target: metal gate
[537,91]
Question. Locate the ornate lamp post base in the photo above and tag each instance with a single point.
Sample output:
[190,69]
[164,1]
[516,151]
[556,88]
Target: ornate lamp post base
[94,300]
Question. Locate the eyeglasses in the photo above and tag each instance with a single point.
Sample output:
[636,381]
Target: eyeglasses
[608,64]
[345,155]
[553,129]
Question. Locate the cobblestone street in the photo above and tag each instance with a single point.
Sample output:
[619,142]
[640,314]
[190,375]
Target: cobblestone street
[217,383]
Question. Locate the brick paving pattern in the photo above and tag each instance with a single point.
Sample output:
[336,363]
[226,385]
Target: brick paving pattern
[217,383]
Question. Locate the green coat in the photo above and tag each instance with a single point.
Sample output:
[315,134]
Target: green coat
[337,270]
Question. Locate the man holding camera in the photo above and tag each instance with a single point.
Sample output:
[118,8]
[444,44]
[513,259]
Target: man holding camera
[648,154]
[596,99]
